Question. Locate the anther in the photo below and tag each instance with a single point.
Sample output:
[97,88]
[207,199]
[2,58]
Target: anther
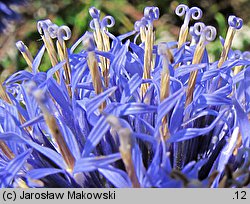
[101,38]
[150,14]
[207,33]
[26,53]
[88,43]
[63,34]
[125,148]
[43,29]
[55,130]
[235,23]
[194,13]
[165,86]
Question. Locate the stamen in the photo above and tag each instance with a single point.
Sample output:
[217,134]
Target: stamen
[235,23]
[93,66]
[165,76]
[165,86]
[63,34]
[150,14]
[26,53]
[55,131]
[101,38]
[207,33]
[194,12]
[125,148]
[6,150]
[140,26]
[42,27]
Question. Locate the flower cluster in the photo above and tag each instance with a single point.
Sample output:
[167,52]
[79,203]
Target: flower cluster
[7,14]
[128,113]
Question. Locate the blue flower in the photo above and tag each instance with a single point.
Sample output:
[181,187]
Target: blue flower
[124,113]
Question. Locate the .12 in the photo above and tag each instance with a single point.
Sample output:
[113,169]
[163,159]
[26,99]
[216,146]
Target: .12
[241,195]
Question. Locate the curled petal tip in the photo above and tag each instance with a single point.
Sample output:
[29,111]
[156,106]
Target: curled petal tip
[209,32]
[235,22]
[94,12]
[63,33]
[43,25]
[196,13]
[108,21]
[181,10]
[140,24]
[198,28]
[53,30]
[151,13]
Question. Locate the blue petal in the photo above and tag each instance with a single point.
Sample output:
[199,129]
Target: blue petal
[95,135]
[70,140]
[37,60]
[190,133]
[62,99]
[42,172]
[94,103]
[116,176]
[54,156]
[243,121]
[13,168]
[167,104]
[133,109]
[92,163]
[130,88]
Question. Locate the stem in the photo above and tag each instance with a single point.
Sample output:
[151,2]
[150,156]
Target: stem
[198,54]
[51,52]
[183,35]
[125,148]
[164,92]
[56,134]
[63,55]
[102,42]
[180,147]
[95,74]
[148,56]
[6,150]
[25,53]
[227,45]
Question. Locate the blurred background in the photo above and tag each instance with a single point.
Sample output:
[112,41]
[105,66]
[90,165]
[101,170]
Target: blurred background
[74,13]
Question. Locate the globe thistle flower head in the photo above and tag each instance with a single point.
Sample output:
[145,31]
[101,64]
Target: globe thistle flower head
[124,113]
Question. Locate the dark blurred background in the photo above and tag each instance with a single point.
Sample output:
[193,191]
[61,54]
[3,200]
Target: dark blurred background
[126,12]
